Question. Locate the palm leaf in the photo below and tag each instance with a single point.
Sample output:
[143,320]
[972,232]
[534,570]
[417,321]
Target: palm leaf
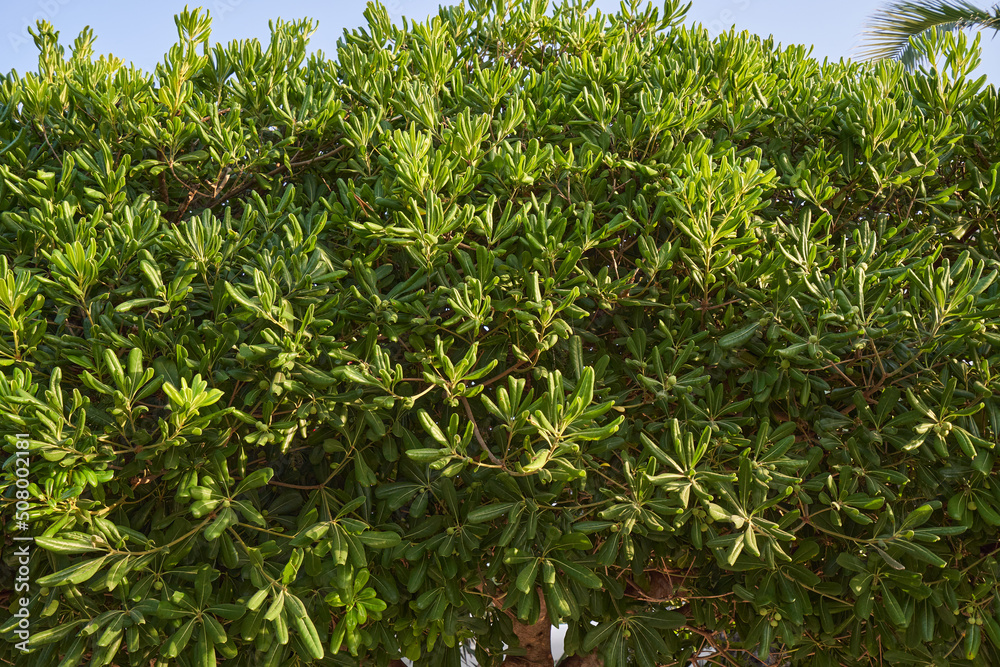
[910,56]
[889,31]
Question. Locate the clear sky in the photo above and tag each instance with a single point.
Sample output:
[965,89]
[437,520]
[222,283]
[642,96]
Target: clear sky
[141,32]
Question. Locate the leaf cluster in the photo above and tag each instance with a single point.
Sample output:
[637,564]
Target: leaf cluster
[696,341]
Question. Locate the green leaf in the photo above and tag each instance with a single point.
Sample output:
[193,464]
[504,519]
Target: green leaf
[588,527]
[77,574]
[739,337]
[427,455]
[890,561]
[291,569]
[178,641]
[750,541]
[62,546]
[735,550]
[919,516]
[379,539]
[307,631]
[557,600]
[489,512]
[892,609]
[574,541]
[350,506]
[339,546]
[132,304]
[992,629]
[237,295]
[526,577]
[254,480]
[257,599]
[432,428]
[226,518]
[152,272]
[861,587]
[277,605]
[602,634]
[537,461]
[55,634]
[919,552]
[850,562]
[204,650]
[230,612]
[579,573]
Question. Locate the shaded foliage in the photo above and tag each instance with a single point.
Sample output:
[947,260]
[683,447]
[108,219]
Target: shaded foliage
[323,361]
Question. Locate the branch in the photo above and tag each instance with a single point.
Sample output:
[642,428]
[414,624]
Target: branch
[475,429]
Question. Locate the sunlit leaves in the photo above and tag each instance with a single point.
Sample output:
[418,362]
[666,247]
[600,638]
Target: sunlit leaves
[691,341]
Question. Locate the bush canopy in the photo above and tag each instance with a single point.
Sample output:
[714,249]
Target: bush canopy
[516,317]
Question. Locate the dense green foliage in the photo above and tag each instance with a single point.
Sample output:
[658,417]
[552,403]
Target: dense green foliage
[328,361]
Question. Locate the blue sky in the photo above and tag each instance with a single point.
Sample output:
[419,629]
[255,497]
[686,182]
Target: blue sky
[141,32]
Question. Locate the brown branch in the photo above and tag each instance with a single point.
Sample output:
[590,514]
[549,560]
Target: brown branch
[535,639]
[718,305]
[45,136]
[504,374]
[182,209]
[245,184]
[164,193]
[587,660]
[475,429]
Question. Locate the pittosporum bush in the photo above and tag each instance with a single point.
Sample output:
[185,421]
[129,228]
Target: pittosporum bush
[511,318]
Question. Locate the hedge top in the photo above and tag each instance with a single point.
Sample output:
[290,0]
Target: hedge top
[504,319]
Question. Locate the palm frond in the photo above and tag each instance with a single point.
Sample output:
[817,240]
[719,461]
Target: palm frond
[911,57]
[889,31]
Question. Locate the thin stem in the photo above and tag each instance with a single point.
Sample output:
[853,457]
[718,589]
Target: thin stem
[475,429]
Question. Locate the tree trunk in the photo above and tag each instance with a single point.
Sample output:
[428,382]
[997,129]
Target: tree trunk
[535,639]
[589,660]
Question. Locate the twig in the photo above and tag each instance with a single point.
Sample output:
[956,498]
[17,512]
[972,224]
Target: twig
[475,429]
[504,374]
